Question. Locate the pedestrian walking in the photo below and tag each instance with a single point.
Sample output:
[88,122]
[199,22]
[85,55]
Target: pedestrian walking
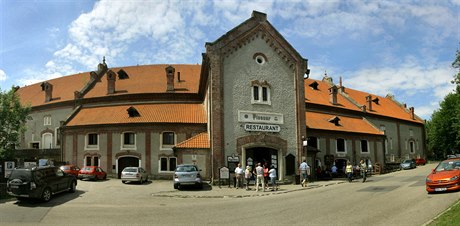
[363,170]
[349,171]
[247,176]
[266,174]
[239,174]
[260,177]
[304,168]
[272,175]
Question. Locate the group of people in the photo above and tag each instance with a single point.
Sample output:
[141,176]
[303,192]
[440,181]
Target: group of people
[361,167]
[261,173]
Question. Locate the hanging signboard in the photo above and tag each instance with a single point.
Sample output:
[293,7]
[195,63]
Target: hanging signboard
[262,128]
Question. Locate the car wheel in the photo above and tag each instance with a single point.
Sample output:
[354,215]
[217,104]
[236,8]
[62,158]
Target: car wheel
[105,177]
[95,178]
[123,181]
[200,186]
[176,186]
[46,195]
[73,187]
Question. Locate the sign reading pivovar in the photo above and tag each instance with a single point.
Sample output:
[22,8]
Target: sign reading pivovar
[262,127]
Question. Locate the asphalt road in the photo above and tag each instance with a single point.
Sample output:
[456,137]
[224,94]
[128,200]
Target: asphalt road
[393,199]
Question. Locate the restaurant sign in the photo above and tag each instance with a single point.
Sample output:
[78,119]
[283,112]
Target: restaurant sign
[262,127]
[260,117]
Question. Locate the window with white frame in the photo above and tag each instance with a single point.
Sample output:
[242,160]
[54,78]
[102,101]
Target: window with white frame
[341,145]
[47,120]
[411,132]
[260,93]
[128,140]
[364,146]
[168,139]
[91,160]
[92,141]
[168,164]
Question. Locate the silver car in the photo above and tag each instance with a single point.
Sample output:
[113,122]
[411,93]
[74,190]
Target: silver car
[187,174]
[137,174]
[408,164]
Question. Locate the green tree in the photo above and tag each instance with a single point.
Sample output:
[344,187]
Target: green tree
[443,130]
[13,117]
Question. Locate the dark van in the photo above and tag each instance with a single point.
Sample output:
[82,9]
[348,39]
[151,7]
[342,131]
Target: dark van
[39,182]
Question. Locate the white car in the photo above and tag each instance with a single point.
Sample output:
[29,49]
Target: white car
[137,174]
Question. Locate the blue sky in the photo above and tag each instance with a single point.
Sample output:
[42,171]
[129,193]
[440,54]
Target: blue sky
[404,48]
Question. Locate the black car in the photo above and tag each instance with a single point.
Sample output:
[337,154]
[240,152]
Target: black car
[39,182]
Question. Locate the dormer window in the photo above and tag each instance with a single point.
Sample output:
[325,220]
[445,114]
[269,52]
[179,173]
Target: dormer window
[314,85]
[122,74]
[260,93]
[376,100]
[132,112]
[335,120]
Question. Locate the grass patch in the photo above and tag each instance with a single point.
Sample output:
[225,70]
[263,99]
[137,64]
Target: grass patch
[450,217]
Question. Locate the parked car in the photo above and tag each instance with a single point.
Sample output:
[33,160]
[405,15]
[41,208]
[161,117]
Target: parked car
[187,174]
[70,169]
[39,182]
[134,174]
[420,161]
[445,177]
[92,172]
[408,164]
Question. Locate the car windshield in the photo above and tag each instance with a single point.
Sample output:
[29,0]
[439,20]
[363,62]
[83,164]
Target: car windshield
[65,167]
[186,169]
[87,169]
[407,161]
[448,165]
[131,170]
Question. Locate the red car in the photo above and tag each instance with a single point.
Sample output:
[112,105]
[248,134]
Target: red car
[419,162]
[92,172]
[445,177]
[70,169]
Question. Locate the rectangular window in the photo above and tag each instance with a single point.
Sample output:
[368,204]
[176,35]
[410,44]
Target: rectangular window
[96,161]
[92,139]
[47,120]
[264,94]
[168,164]
[128,138]
[313,142]
[88,161]
[341,145]
[35,145]
[168,138]
[412,147]
[256,93]
[411,133]
[364,147]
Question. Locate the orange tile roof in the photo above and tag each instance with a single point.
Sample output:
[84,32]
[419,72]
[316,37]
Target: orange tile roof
[63,90]
[150,79]
[199,141]
[386,106]
[142,79]
[149,113]
[346,124]
[321,95]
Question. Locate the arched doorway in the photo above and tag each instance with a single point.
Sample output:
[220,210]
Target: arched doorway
[126,162]
[262,155]
[341,164]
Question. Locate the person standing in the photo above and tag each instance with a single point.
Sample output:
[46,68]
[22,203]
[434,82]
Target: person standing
[260,177]
[334,170]
[304,168]
[349,171]
[272,174]
[247,176]
[363,170]
[239,173]
[266,174]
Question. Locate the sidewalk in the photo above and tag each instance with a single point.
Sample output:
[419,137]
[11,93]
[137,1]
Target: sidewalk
[215,191]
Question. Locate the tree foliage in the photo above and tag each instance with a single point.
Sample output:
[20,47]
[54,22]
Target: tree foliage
[443,130]
[13,117]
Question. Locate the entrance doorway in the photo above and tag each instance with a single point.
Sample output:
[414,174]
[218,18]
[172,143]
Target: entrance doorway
[262,155]
[126,162]
[341,164]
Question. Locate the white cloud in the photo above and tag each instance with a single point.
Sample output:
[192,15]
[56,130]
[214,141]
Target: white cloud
[3,76]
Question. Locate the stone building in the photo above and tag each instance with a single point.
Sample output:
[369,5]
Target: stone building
[249,101]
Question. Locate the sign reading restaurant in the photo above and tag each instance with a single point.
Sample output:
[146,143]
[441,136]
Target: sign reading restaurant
[260,117]
[262,127]
[254,120]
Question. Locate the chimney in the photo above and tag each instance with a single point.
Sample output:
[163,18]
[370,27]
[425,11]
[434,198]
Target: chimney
[48,88]
[341,87]
[170,78]
[111,78]
[333,94]
[369,102]
[412,113]
[364,108]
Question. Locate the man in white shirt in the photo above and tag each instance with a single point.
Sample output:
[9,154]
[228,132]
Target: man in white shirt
[260,177]
[239,172]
